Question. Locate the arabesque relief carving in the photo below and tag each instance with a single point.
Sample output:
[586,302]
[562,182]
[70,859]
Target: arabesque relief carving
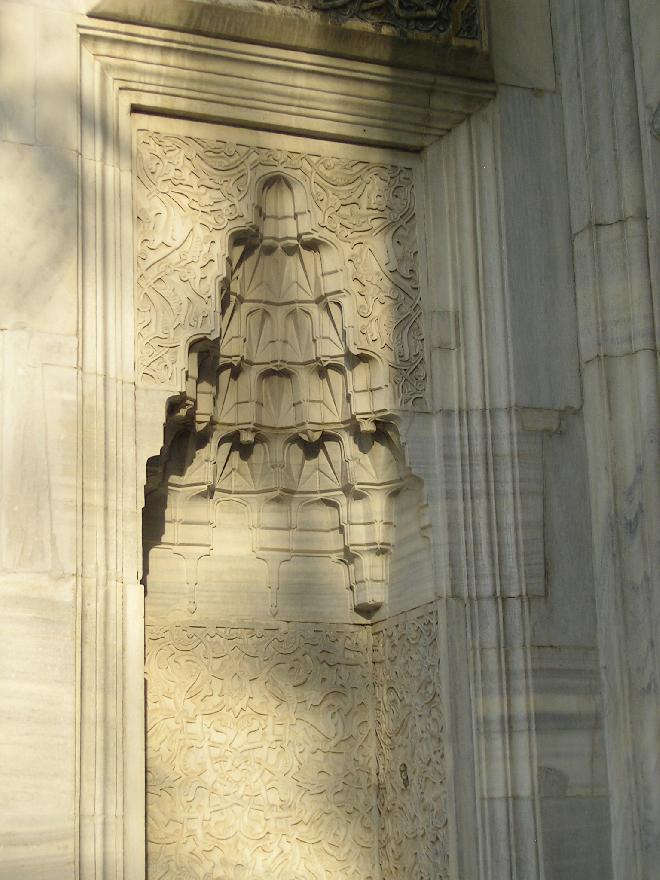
[412,805]
[437,17]
[296,751]
[261,761]
[193,194]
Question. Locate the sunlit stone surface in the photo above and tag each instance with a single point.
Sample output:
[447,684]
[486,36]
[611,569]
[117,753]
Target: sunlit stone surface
[359,301]
[274,514]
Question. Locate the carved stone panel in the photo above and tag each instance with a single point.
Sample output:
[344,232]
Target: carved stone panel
[261,759]
[410,733]
[458,18]
[296,751]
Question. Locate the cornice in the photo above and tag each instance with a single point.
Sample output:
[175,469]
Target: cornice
[329,29]
[281,89]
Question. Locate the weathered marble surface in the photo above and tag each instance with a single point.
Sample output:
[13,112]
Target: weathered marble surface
[38,440]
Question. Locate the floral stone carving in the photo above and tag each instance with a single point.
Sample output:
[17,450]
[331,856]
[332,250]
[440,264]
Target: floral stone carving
[264,760]
[411,762]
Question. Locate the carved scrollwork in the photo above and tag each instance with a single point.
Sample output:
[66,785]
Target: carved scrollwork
[262,745]
[261,753]
[410,748]
[437,17]
[192,195]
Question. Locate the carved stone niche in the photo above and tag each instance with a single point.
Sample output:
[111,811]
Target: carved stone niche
[279,290]
[288,423]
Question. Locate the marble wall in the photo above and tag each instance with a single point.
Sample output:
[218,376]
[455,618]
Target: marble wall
[38,439]
[539,620]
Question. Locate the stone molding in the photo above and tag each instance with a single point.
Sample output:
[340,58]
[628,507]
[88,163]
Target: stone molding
[280,89]
[492,545]
[461,50]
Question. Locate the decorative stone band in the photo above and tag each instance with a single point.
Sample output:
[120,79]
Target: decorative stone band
[458,18]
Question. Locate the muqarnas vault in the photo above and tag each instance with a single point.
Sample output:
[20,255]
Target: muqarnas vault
[279,506]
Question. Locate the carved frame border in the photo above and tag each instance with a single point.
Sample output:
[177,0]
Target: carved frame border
[125,70]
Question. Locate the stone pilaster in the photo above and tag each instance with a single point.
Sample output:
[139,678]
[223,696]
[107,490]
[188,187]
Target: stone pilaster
[618,349]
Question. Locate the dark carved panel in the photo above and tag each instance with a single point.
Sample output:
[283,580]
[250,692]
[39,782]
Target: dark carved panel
[458,18]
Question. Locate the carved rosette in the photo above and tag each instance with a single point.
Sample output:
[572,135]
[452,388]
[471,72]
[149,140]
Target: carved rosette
[192,195]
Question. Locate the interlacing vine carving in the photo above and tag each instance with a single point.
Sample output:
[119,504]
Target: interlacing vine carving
[278,305]
[410,748]
[407,17]
[270,747]
[261,759]
[191,194]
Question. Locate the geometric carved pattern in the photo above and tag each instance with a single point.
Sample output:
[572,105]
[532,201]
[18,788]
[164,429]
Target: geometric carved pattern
[285,413]
[410,748]
[194,196]
[261,760]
